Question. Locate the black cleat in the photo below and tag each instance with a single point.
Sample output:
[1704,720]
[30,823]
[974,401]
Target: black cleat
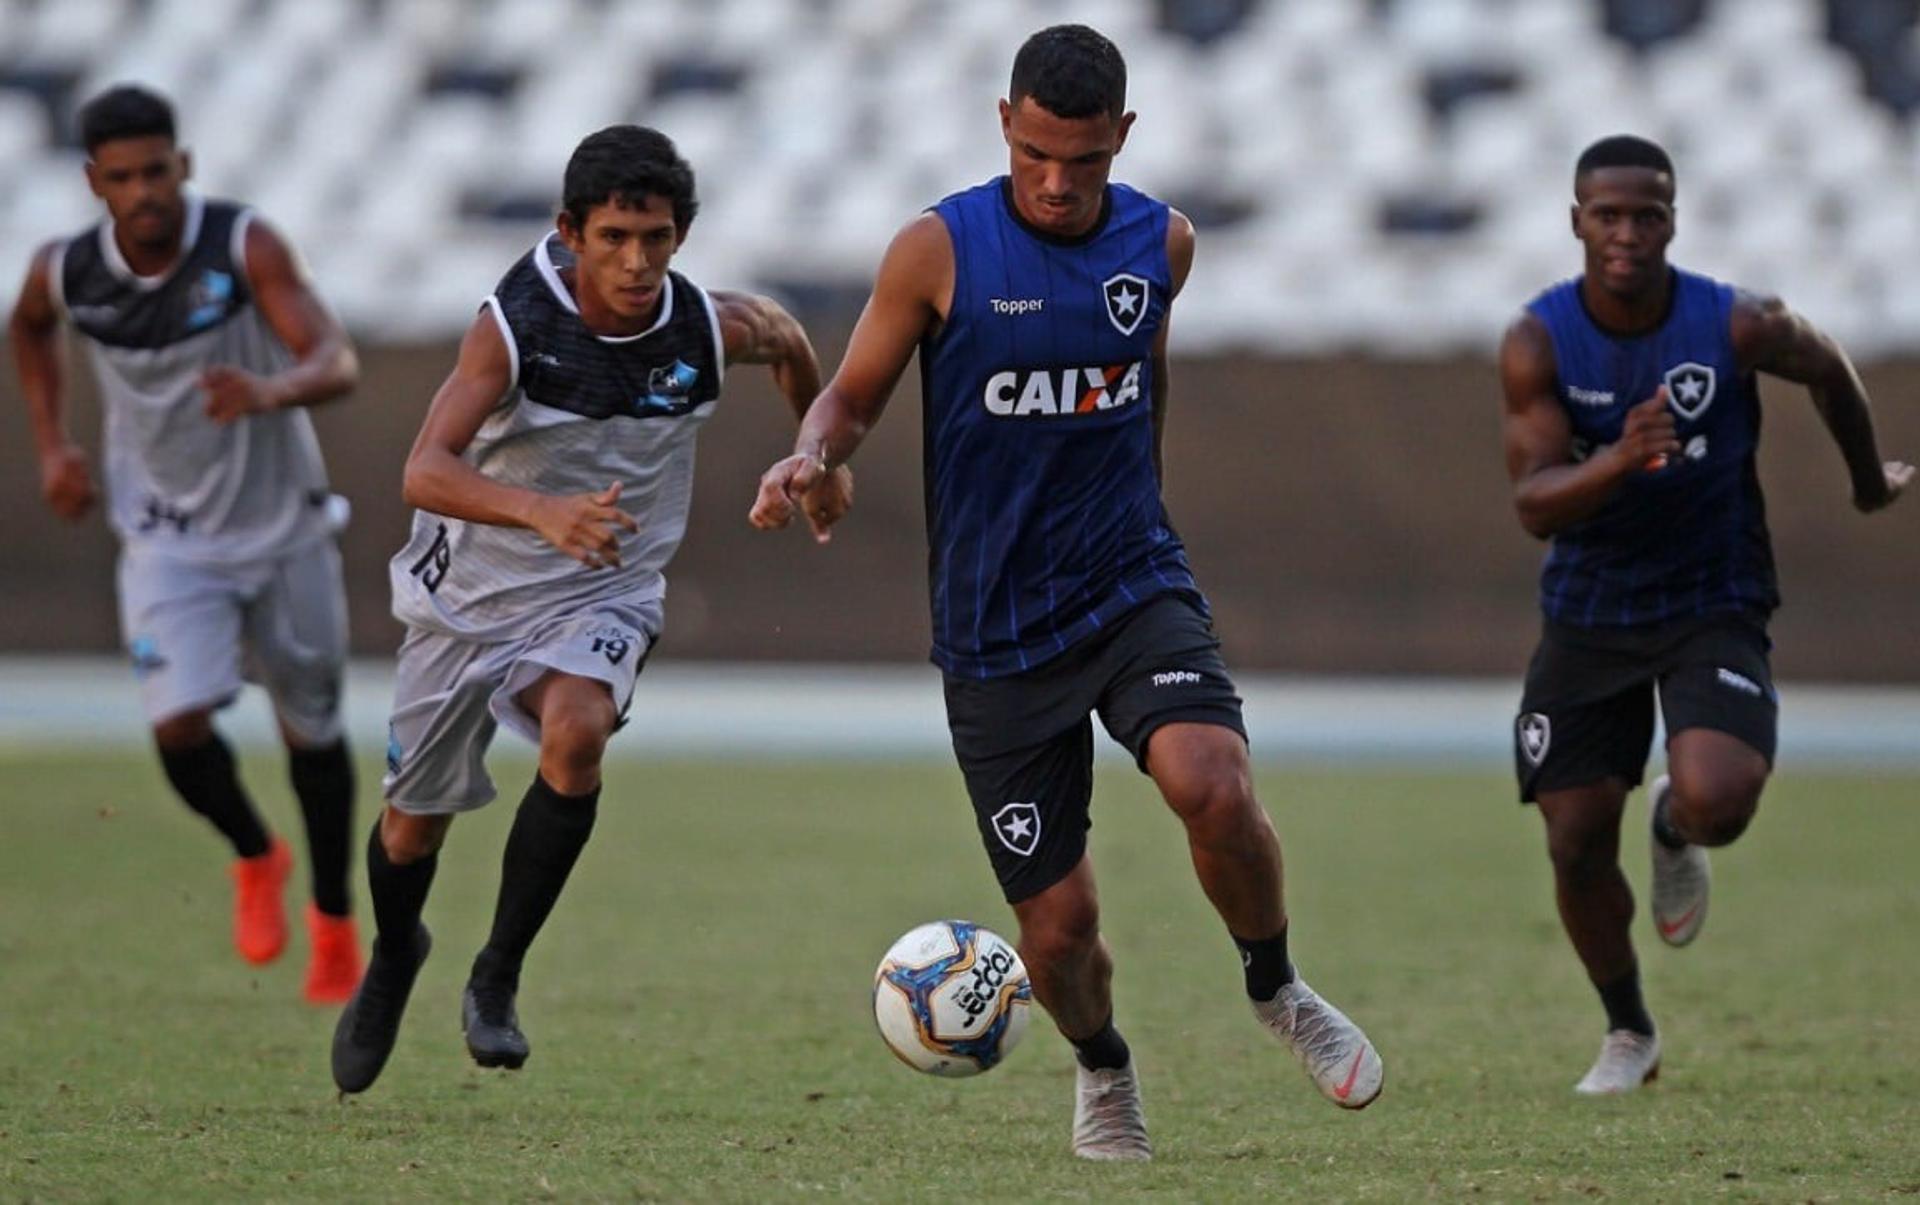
[370,1022]
[492,1027]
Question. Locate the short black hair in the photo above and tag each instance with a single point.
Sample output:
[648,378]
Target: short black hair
[125,111]
[1070,71]
[627,164]
[1623,150]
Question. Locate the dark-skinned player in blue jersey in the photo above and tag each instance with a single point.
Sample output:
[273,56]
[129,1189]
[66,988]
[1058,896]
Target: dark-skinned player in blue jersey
[1038,303]
[1632,415]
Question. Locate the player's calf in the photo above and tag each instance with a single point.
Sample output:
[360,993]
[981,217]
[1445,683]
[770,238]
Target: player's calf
[549,831]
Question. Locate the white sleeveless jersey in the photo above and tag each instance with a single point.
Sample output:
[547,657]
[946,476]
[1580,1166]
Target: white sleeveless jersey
[582,411]
[177,482]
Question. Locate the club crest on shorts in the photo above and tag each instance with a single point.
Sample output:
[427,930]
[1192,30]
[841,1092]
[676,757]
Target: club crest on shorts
[1689,388]
[1536,734]
[1018,827]
[1126,297]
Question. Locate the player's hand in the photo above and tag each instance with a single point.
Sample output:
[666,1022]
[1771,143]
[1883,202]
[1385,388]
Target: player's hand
[234,393]
[65,482]
[1649,436]
[584,526]
[1894,476]
[829,499]
[785,488]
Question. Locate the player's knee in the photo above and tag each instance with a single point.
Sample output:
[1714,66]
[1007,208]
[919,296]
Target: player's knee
[1064,934]
[1210,788]
[187,730]
[1715,808]
[408,839]
[575,736]
[1580,853]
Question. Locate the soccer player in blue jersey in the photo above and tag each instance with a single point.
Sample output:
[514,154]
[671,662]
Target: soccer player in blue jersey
[1632,417]
[1039,302]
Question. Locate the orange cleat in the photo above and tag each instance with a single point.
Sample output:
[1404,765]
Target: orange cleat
[259,915]
[333,966]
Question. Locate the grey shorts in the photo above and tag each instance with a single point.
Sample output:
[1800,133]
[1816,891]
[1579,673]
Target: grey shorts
[451,693]
[197,632]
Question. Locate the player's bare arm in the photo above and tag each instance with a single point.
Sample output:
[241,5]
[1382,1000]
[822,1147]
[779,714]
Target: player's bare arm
[1768,337]
[910,298]
[758,330]
[325,366]
[1179,264]
[1550,488]
[34,332]
[584,526]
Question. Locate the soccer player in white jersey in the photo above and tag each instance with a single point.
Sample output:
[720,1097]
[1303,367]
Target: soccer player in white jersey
[552,476]
[208,343]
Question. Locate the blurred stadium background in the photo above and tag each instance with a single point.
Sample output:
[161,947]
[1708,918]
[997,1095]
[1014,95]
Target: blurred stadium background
[1378,184]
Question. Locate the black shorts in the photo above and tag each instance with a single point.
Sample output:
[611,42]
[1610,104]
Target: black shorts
[1025,741]
[1586,714]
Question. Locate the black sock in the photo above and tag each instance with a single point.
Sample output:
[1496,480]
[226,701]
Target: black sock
[1662,830]
[549,831]
[204,776]
[1625,1008]
[399,893]
[323,781]
[1104,1051]
[1266,963]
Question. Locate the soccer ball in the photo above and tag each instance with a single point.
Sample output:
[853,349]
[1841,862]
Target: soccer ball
[951,998]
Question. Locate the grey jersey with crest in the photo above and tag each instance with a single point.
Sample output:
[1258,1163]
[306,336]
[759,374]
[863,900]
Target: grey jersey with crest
[581,411]
[177,482]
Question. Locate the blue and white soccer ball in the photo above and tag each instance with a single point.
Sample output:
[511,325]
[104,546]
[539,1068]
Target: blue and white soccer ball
[951,998]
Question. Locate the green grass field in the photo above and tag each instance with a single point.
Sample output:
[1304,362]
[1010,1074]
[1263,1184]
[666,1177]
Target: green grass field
[699,1006]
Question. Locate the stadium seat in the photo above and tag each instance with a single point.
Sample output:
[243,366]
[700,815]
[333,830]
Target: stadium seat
[1400,139]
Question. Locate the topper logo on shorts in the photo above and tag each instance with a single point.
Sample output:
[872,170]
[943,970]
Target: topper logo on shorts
[1536,734]
[1048,392]
[1739,682]
[1018,827]
[1176,677]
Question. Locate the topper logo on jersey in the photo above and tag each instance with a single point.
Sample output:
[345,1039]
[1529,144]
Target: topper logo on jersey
[1126,297]
[1046,392]
[1689,388]
[667,390]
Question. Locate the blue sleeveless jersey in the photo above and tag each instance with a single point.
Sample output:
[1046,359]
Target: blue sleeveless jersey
[1688,539]
[1044,519]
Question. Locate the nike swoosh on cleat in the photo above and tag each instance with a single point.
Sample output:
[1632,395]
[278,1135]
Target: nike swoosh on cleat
[1353,1073]
[1668,930]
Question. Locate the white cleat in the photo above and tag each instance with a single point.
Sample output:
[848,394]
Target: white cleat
[1627,1060]
[1337,1056]
[1108,1124]
[1680,881]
